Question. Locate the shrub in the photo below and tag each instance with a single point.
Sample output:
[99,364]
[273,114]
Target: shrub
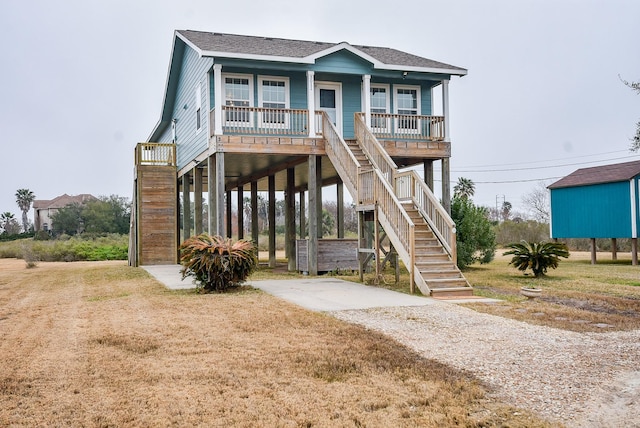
[537,256]
[476,239]
[217,263]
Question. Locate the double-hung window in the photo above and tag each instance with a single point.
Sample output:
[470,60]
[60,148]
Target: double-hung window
[407,104]
[237,96]
[273,97]
[379,108]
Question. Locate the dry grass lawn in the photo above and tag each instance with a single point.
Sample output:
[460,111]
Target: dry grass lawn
[100,344]
[577,296]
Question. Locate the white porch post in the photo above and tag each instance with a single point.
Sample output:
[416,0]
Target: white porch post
[311,103]
[445,109]
[366,87]
[218,91]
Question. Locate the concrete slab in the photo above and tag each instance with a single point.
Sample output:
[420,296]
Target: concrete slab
[318,294]
[170,276]
[333,294]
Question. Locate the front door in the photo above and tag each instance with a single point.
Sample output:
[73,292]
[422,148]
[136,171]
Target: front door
[329,99]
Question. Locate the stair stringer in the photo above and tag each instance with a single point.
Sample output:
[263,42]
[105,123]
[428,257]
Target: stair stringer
[402,252]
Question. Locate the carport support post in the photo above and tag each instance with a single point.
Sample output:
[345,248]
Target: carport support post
[614,249]
[290,218]
[186,205]
[272,221]
[303,219]
[593,251]
[255,230]
[312,247]
[634,251]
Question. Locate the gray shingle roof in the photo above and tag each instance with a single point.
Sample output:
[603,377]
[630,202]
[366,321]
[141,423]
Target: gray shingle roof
[599,174]
[253,45]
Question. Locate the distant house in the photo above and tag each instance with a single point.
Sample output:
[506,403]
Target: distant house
[43,209]
[598,202]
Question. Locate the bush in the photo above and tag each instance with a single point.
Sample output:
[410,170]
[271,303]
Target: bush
[217,263]
[512,231]
[537,256]
[69,249]
[476,241]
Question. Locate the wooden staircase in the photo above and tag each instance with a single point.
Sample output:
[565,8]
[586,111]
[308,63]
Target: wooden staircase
[428,251]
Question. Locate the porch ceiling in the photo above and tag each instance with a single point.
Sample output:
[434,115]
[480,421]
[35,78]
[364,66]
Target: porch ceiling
[242,169]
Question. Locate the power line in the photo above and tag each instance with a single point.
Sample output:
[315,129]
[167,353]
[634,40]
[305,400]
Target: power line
[549,160]
[544,167]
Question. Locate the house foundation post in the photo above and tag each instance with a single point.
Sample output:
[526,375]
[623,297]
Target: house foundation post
[593,251]
[428,173]
[215,163]
[340,208]
[197,200]
[240,212]
[319,195]
[272,221]
[312,246]
[634,251]
[614,249]
[186,206]
[229,214]
[446,185]
[255,229]
[290,219]
[303,215]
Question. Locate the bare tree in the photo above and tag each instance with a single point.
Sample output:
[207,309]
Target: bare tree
[635,140]
[537,201]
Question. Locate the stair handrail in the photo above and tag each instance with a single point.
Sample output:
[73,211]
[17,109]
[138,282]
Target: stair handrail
[344,157]
[373,149]
[397,218]
[429,207]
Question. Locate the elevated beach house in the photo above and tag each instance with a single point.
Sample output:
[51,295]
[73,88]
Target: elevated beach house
[244,114]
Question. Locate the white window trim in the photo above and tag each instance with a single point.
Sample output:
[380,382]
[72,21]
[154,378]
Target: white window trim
[198,101]
[287,99]
[387,107]
[417,88]
[224,98]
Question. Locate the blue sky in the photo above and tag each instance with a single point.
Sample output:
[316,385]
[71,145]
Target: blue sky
[82,81]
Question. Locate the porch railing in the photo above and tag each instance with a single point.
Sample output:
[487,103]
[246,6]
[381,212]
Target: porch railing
[262,121]
[155,154]
[409,185]
[407,127]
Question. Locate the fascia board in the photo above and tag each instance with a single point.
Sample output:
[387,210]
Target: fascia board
[166,86]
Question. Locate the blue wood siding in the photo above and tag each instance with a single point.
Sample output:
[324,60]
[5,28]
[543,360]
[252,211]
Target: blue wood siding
[189,142]
[343,62]
[595,211]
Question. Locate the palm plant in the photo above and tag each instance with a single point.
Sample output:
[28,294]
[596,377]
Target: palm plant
[217,263]
[464,189]
[24,197]
[537,256]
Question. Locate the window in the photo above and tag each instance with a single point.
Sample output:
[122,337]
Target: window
[198,107]
[273,93]
[379,104]
[407,103]
[237,94]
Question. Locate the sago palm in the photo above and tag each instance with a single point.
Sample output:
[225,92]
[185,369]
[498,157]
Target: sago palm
[537,256]
[217,263]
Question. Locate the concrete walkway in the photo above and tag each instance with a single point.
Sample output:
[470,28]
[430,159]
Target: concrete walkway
[318,294]
[315,293]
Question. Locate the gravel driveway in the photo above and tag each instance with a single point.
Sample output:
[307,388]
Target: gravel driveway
[579,379]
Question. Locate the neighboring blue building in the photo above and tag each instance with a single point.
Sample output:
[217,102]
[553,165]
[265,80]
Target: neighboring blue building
[597,202]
